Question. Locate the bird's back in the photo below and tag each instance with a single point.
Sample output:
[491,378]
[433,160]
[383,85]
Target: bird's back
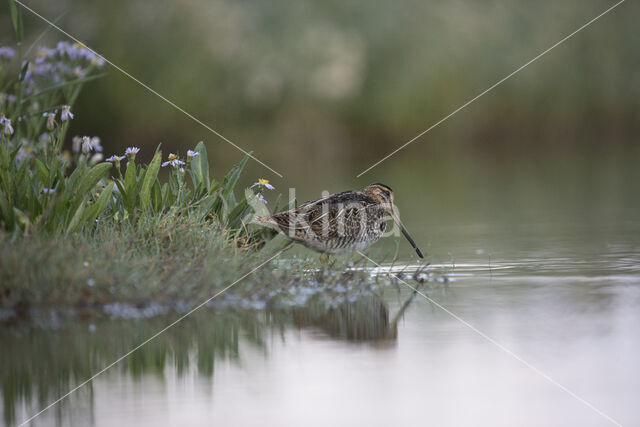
[342,221]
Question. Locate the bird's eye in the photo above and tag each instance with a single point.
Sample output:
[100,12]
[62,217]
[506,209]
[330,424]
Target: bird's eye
[386,193]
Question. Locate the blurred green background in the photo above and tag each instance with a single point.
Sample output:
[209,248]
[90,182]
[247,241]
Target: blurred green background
[321,90]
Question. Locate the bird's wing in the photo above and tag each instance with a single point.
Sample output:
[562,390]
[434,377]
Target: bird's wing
[329,216]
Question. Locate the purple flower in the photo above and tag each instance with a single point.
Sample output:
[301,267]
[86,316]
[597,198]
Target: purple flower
[76,51]
[98,61]
[66,113]
[62,47]
[44,54]
[91,144]
[173,161]
[51,120]
[115,159]
[79,72]
[6,124]
[48,190]
[261,198]
[131,151]
[191,154]
[263,183]
[7,53]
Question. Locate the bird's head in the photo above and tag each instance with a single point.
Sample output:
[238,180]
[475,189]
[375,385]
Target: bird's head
[380,194]
[383,195]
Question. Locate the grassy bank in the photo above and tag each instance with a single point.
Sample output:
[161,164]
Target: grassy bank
[163,264]
[168,257]
[80,230]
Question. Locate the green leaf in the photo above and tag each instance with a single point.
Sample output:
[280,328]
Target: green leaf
[99,204]
[149,179]
[206,205]
[200,167]
[130,178]
[6,212]
[167,198]
[16,19]
[156,196]
[5,159]
[121,189]
[236,215]
[221,208]
[232,177]
[92,177]
[85,183]
[21,180]
[76,219]
[231,200]
[21,219]
[130,187]
[43,171]
[74,178]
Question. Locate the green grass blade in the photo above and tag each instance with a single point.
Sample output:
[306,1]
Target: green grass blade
[130,178]
[232,177]
[93,176]
[234,220]
[73,180]
[130,187]
[76,219]
[99,205]
[22,220]
[200,167]
[43,171]
[149,179]
[16,19]
[156,197]
[6,212]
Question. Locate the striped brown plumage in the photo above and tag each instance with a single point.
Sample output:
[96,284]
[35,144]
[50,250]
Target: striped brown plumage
[351,220]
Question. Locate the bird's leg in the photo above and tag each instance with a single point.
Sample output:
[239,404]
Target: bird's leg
[324,258]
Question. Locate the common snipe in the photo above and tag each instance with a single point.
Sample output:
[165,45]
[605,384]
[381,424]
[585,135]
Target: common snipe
[351,220]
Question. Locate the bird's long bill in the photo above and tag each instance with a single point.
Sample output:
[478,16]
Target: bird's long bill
[406,233]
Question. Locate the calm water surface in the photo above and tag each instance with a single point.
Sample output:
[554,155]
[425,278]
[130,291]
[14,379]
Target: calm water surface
[564,298]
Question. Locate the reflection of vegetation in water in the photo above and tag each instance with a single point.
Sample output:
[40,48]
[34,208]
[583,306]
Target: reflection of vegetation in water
[42,362]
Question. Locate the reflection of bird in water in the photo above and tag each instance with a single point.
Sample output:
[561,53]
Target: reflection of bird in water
[366,319]
[351,220]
